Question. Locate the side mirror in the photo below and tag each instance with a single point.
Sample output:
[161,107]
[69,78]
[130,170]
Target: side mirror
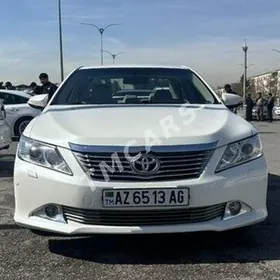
[39,101]
[232,100]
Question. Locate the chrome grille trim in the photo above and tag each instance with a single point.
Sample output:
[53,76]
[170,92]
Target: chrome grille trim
[173,166]
[144,217]
[135,149]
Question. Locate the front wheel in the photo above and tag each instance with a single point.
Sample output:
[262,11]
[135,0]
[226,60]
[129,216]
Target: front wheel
[20,125]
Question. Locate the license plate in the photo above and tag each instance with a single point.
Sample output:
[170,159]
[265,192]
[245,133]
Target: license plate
[145,197]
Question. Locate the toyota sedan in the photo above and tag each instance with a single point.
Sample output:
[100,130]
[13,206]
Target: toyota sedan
[174,160]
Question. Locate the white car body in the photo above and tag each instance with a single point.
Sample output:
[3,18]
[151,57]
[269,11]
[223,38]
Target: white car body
[276,110]
[18,115]
[79,130]
[5,130]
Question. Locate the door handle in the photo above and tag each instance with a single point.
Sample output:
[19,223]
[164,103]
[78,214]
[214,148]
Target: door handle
[13,109]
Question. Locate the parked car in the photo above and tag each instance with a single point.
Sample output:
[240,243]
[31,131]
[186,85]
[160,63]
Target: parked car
[277,111]
[276,108]
[18,112]
[180,161]
[265,112]
[5,130]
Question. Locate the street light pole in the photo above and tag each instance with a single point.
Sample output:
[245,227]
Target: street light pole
[114,55]
[245,49]
[275,50]
[247,66]
[60,41]
[101,47]
[101,31]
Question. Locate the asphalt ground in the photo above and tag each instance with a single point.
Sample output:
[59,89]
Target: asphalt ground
[248,253]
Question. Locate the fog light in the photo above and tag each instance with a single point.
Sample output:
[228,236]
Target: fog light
[234,208]
[51,211]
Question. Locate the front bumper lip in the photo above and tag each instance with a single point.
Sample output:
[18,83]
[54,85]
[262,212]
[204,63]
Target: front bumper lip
[73,228]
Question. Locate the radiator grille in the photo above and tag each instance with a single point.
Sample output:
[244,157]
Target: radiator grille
[173,166]
[143,217]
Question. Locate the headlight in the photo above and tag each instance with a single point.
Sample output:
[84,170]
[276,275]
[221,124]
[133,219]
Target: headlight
[42,154]
[240,152]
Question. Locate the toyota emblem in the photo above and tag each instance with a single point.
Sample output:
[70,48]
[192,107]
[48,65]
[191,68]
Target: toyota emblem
[145,164]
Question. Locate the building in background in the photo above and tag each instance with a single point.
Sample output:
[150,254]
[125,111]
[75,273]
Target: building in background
[265,83]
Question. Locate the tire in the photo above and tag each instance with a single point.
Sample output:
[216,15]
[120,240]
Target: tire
[20,125]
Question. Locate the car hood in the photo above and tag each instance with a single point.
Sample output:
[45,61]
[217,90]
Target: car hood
[138,125]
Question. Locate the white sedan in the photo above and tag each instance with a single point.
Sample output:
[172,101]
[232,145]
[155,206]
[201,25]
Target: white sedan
[18,112]
[276,109]
[177,161]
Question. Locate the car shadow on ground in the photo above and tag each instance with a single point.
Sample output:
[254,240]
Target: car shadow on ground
[252,244]
[7,165]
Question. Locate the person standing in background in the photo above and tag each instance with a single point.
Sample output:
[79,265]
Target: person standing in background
[249,107]
[47,87]
[9,86]
[228,89]
[270,105]
[34,88]
[259,105]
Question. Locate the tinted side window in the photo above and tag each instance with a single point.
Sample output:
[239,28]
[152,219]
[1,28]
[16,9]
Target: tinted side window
[2,97]
[8,99]
[19,99]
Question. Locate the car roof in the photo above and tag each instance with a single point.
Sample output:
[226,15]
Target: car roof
[16,92]
[132,66]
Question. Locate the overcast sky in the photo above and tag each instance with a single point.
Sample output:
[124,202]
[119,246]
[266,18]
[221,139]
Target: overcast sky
[206,35]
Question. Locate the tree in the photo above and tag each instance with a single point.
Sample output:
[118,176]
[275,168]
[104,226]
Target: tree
[273,82]
[248,82]
[250,86]
[237,87]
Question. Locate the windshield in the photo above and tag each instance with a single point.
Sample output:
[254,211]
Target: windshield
[133,86]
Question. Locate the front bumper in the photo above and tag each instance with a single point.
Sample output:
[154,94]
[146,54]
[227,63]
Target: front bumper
[36,186]
[264,115]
